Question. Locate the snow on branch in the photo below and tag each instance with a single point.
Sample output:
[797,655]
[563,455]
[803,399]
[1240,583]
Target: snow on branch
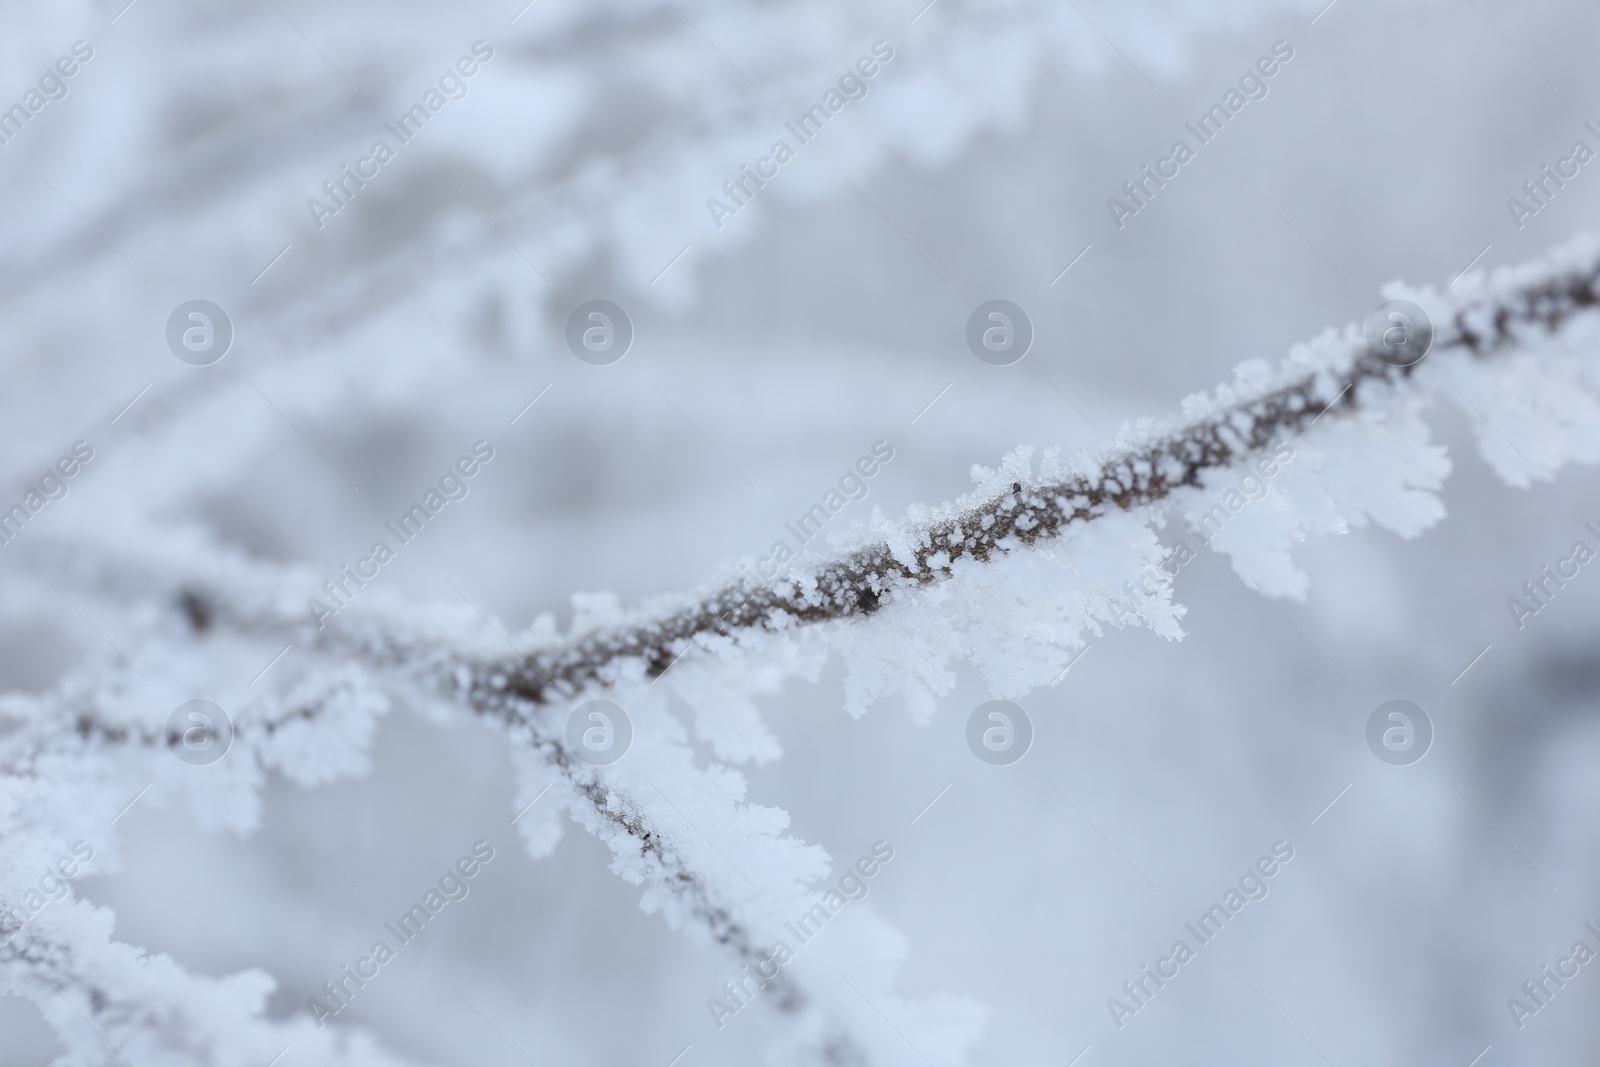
[1337,380]
[1013,578]
[1339,375]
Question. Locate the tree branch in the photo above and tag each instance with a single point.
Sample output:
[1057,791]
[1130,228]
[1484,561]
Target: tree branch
[858,583]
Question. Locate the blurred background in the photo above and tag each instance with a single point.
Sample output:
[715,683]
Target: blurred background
[369,353]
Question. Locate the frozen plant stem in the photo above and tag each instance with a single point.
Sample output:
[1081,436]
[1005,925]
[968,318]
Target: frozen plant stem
[858,583]
[81,725]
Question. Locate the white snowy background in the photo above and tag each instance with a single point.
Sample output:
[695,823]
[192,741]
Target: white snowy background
[773,353]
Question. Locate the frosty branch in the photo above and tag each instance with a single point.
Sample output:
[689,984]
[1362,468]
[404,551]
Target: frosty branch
[856,584]
[938,578]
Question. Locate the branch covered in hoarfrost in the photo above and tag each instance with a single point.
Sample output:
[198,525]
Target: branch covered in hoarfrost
[961,581]
[1339,377]
[1336,376]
